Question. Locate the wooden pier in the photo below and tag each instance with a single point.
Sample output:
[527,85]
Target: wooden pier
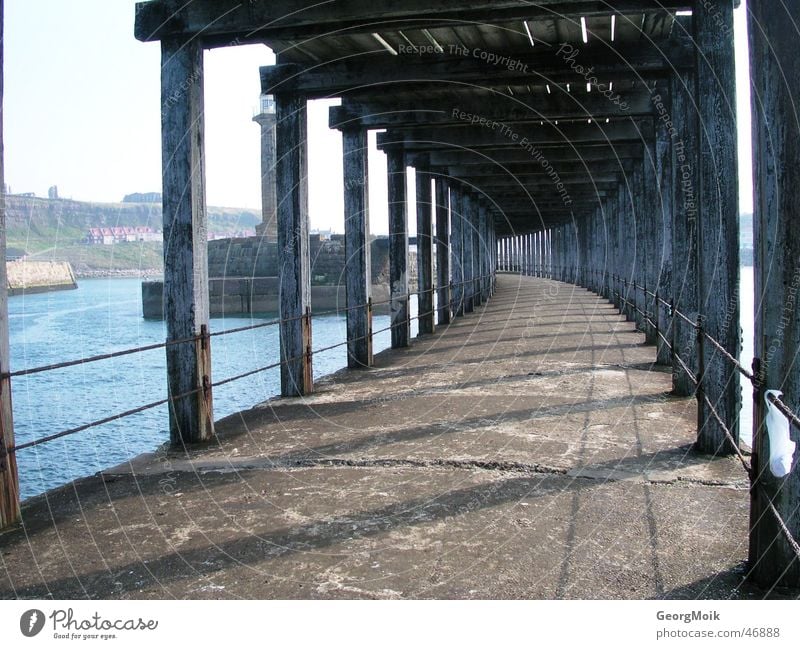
[530,450]
[524,446]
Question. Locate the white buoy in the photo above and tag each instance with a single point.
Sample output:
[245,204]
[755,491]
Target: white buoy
[781,446]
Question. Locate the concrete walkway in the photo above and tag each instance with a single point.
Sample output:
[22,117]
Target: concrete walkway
[530,450]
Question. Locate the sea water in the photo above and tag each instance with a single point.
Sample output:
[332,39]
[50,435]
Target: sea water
[105,315]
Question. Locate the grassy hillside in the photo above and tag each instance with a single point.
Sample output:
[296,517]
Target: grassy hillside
[55,229]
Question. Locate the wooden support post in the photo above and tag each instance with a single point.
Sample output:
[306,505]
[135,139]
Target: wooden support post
[685,262]
[775,74]
[9,479]
[650,258]
[293,244]
[474,220]
[719,217]
[486,251]
[467,210]
[358,282]
[442,250]
[424,251]
[398,248]
[664,221]
[186,308]
[457,250]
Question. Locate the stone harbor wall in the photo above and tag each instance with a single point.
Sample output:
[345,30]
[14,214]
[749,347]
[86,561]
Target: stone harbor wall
[26,276]
[243,277]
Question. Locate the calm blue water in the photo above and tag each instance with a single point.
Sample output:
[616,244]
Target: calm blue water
[105,315]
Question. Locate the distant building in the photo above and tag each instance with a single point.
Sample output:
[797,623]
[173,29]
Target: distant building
[110,236]
[52,193]
[149,197]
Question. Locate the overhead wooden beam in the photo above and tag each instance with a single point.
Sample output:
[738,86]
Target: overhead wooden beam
[574,152]
[261,20]
[642,60]
[530,111]
[525,138]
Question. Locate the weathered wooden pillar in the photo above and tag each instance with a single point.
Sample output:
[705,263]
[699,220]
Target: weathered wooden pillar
[457,250]
[424,250]
[186,308]
[685,262]
[398,247]
[293,245]
[628,244]
[664,219]
[488,266]
[477,263]
[637,240]
[9,479]
[650,261]
[775,74]
[467,210]
[358,282]
[719,219]
[443,250]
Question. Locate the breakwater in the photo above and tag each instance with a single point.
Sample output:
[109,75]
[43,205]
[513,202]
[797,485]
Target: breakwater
[244,273]
[39,276]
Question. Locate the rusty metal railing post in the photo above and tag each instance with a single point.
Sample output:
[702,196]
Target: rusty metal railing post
[308,374]
[701,371]
[369,332]
[9,476]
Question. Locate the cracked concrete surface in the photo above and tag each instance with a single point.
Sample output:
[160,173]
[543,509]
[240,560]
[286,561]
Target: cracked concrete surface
[530,450]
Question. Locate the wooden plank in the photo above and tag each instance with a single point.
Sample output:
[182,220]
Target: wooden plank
[358,282]
[685,260]
[293,245]
[719,218]
[775,74]
[398,248]
[442,250]
[9,479]
[424,250]
[186,308]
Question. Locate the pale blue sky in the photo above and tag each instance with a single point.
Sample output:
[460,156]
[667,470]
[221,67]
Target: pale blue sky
[82,112]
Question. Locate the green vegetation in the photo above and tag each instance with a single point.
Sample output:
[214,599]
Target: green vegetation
[56,229]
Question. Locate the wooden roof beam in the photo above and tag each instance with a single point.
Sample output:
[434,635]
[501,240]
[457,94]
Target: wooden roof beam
[225,22]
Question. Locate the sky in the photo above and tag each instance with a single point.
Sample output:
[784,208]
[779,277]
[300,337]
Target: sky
[82,111]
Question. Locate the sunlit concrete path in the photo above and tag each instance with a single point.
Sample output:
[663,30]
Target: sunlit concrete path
[530,450]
